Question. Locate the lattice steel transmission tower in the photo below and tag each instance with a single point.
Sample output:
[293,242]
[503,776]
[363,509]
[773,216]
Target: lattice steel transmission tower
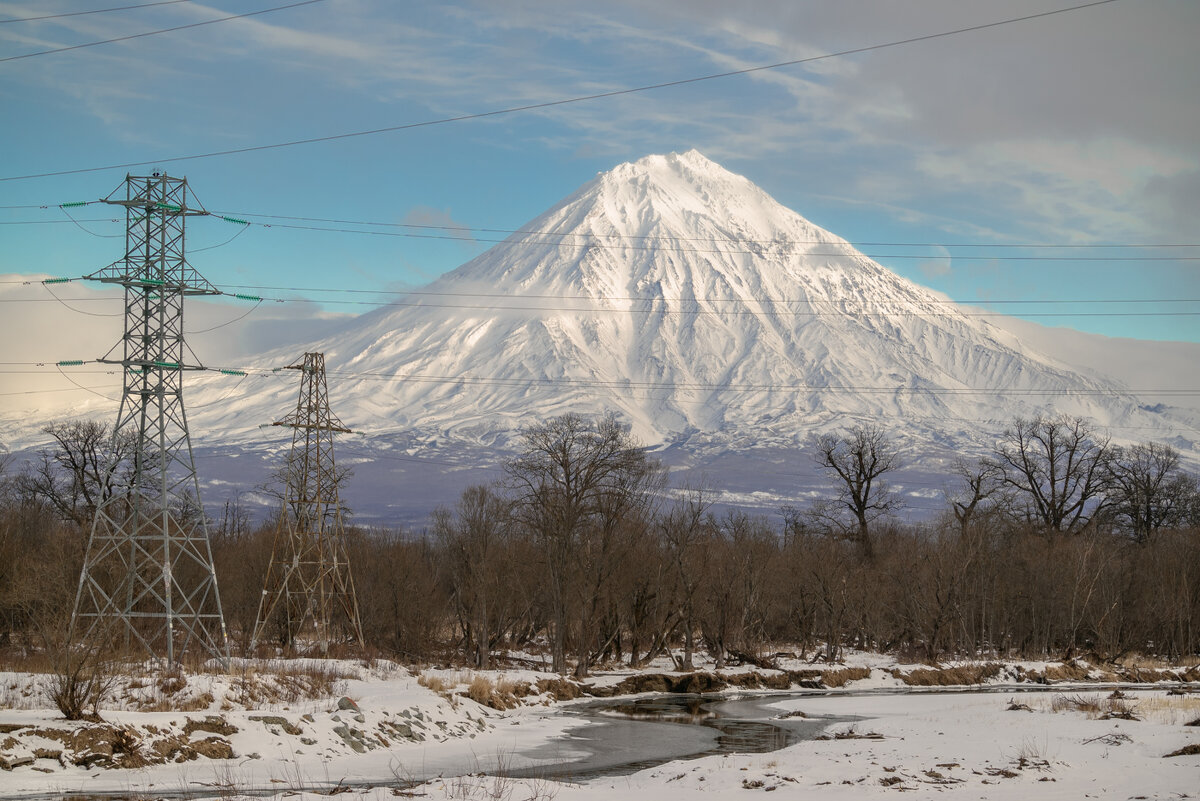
[148,579]
[309,576]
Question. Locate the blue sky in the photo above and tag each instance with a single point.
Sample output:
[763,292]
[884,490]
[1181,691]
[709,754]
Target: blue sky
[1076,129]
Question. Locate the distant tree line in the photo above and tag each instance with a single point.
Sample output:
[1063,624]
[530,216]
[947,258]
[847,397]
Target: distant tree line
[1057,543]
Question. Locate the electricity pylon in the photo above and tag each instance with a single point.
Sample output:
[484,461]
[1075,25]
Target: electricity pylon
[148,580]
[309,575]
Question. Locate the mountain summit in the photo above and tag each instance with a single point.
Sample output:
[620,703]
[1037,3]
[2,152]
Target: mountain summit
[687,300]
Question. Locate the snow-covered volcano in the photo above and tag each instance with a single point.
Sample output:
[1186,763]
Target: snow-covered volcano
[725,328]
[687,300]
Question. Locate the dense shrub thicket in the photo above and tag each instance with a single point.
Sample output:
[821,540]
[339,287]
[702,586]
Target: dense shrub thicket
[582,552]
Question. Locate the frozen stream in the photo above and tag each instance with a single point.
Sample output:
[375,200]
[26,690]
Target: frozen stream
[596,739]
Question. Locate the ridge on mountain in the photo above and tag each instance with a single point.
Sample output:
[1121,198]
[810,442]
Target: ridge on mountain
[687,300]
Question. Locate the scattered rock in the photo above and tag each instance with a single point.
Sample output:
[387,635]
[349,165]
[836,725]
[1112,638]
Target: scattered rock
[346,703]
[275,720]
[353,738]
[213,724]
[10,762]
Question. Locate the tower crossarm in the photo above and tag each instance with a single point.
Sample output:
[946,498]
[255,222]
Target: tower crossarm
[313,427]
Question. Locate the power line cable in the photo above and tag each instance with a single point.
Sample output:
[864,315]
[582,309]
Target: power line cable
[698,312]
[72,308]
[564,101]
[81,386]
[624,383]
[648,386]
[239,232]
[727,386]
[466,229]
[681,298]
[93,11]
[509,242]
[590,243]
[234,216]
[229,322]
[85,230]
[162,30]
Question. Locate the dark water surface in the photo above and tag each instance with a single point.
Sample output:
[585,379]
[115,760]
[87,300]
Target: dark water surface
[624,736]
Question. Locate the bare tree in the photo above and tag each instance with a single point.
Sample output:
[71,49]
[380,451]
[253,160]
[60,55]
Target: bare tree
[684,530]
[1058,468]
[79,471]
[572,475]
[474,539]
[1149,490]
[7,481]
[859,459]
[980,493]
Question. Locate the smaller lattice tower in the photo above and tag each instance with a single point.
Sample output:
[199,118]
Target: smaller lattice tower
[309,579]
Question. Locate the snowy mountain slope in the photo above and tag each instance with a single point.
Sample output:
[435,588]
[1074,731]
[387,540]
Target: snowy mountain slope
[686,299]
[724,327]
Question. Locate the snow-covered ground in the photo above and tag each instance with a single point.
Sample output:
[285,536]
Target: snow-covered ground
[956,745]
[377,730]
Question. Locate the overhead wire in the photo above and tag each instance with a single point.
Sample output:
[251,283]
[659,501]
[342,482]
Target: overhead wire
[72,308]
[81,386]
[228,322]
[646,387]
[85,230]
[676,238]
[239,232]
[569,100]
[509,242]
[626,384]
[687,298]
[863,309]
[162,30]
[92,11]
[589,241]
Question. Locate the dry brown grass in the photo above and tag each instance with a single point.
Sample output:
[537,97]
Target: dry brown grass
[1143,662]
[286,682]
[498,693]
[1098,708]
[1156,708]
[839,678]
[950,676]
[435,683]
[1065,672]
[1173,710]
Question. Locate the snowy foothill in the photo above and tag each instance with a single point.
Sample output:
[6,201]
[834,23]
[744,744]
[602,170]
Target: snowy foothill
[375,730]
